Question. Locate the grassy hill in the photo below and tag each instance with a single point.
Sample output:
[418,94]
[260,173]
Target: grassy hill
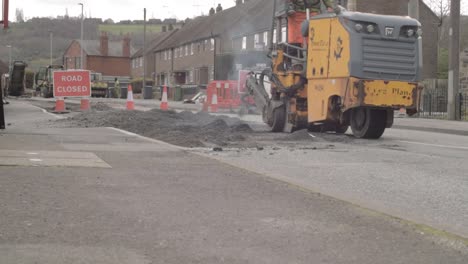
[31,42]
[119,29]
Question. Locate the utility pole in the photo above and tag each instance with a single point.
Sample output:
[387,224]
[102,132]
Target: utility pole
[9,57]
[81,38]
[413,9]
[51,35]
[144,55]
[454,62]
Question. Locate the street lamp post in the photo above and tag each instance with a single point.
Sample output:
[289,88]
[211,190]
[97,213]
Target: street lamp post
[81,38]
[51,35]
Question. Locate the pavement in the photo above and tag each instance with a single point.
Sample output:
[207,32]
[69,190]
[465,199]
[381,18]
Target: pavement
[156,203]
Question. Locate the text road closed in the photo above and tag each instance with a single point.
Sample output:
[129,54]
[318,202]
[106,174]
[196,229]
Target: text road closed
[72,84]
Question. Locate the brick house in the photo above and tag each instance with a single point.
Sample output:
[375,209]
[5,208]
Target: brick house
[149,57]
[111,58]
[202,50]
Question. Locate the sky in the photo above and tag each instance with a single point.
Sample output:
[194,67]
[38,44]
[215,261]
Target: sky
[127,9]
[117,9]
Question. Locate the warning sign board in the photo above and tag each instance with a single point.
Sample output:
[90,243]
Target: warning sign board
[72,84]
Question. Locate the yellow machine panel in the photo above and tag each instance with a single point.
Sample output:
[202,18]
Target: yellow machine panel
[339,50]
[390,94]
[319,49]
[319,93]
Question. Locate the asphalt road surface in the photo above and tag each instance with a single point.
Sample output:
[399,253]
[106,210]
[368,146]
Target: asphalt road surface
[419,176]
[119,198]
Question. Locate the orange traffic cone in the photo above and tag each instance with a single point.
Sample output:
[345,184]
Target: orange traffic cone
[60,105]
[130,103]
[164,105]
[214,102]
[85,104]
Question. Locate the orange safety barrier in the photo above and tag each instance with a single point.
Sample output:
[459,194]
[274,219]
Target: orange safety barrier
[227,93]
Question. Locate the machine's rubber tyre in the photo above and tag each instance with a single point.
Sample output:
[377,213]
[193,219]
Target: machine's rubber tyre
[341,129]
[368,123]
[44,93]
[279,119]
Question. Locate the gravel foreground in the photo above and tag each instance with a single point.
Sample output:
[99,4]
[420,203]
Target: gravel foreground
[184,129]
[191,130]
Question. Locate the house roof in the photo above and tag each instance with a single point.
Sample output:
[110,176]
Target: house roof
[155,42]
[92,48]
[246,15]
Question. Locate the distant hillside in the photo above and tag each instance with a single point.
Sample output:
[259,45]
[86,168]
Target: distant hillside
[31,42]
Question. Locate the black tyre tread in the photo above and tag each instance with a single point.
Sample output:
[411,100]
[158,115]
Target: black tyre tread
[279,120]
[375,125]
[378,124]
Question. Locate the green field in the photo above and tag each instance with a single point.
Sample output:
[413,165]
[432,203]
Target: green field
[119,29]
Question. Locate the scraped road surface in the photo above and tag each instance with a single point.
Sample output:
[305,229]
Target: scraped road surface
[154,203]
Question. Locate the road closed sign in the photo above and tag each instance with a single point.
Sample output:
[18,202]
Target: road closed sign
[72,84]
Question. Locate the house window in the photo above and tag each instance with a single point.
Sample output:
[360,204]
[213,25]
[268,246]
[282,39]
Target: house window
[212,44]
[191,49]
[77,62]
[165,55]
[257,39]
[274,36]
[186,50]
[176,53]
[205,44]
[265,38]
[284,36]
[198,47]
[169,57]
[141,61]
[244,43]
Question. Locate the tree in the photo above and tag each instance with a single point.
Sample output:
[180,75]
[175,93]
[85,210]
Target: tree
[441,8]
[19,15]
[443,64]
[109,21]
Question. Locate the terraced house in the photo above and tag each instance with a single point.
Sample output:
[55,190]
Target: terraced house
[147,56]
[203,49]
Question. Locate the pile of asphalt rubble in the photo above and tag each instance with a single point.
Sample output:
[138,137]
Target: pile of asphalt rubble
[183,129]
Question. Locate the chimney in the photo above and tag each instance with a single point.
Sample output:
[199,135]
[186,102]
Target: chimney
[212,11]
[104,44]
[219,8]
[126,46]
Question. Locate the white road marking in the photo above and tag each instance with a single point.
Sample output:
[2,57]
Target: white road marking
[434,145]
[35,160]
[312,135]
[32,153]
[147,138]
